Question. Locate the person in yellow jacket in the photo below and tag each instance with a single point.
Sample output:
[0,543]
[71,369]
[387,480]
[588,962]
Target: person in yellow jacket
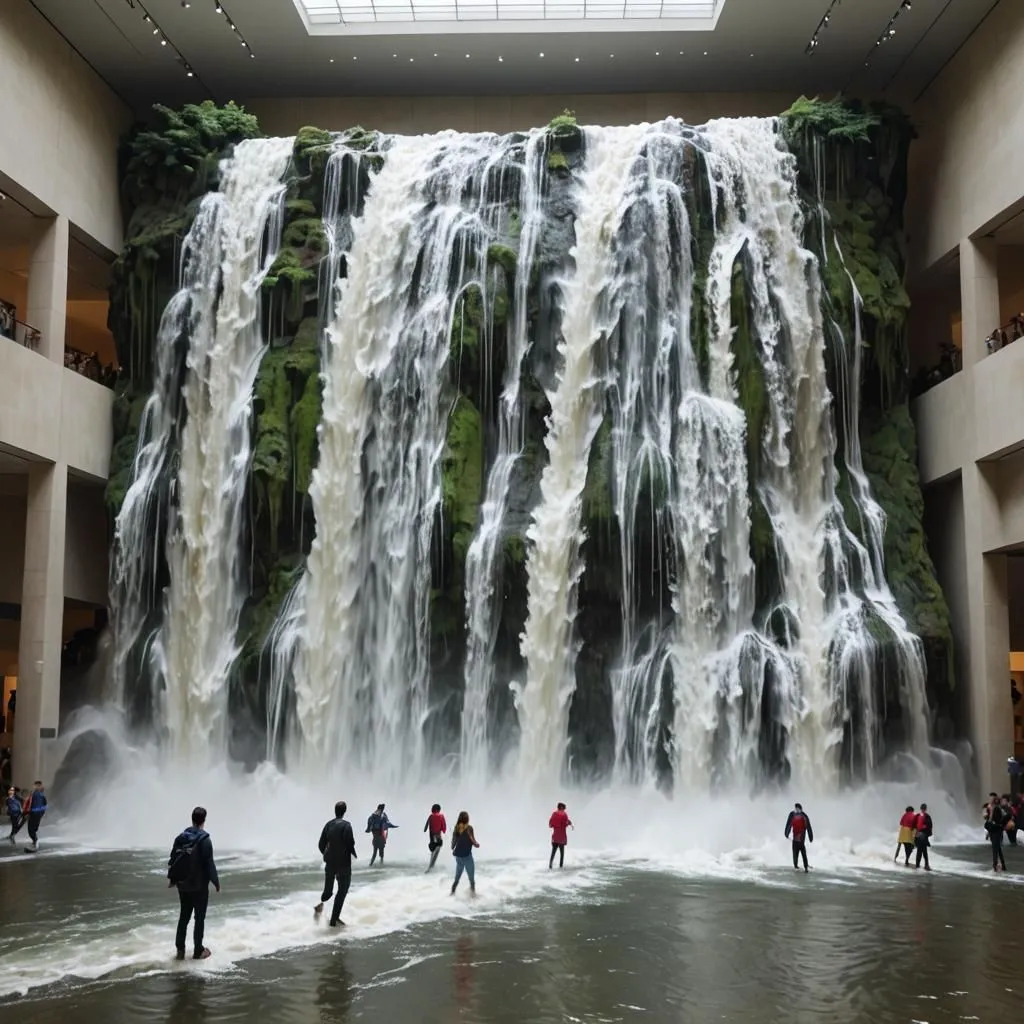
[907,834]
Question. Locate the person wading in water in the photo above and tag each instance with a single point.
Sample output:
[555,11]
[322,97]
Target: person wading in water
[558,823]
[435,827]
[923,828]
[338,846]
[463,844]
[378,825]
[800,826]
[191,868]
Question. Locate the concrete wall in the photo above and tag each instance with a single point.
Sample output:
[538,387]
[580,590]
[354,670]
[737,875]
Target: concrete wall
[966,163]
[53,414]
[12,539]
[85,548]
[414,115]
[61,125]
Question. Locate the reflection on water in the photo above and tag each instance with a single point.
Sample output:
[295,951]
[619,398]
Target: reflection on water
[642,946]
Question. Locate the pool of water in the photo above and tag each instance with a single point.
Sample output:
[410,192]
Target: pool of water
[87,935]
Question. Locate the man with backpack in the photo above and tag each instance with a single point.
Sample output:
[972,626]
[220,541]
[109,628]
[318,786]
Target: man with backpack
[190,867]
[338,846]
[800,826]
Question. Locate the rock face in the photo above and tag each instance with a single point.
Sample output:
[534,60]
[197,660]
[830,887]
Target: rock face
[860,154]
[91,758]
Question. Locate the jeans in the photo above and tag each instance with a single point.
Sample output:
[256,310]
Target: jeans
[922,851]
[34,819]
[343,876]
[560,848]
[908,849]
[465,864]
[996,839]
[192,903]
[378,849]
[799,850]
[16,824]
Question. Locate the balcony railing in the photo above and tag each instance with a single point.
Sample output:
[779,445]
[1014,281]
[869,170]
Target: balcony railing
[1005,335]
[88,365]
[949,363]
[19,332]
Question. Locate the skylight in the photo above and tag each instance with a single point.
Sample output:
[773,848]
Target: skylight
[336,16]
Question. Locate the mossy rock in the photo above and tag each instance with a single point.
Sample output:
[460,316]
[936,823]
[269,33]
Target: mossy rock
[564,132]
[122,458]
[597,491]
[558,163]
[462,466]
[505,257]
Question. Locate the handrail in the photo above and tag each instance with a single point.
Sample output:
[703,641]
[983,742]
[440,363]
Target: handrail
[1005,335]
[20,333]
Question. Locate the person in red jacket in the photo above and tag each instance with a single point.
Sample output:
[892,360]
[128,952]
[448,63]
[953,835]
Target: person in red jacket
[436,827]
[798,824]
[558,823]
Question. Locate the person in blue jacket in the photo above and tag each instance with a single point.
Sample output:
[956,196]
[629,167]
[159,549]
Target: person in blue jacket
[14,812]
[377,825]
[36,810]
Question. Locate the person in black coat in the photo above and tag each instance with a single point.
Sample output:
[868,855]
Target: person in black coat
[338,846]
[798,824]
[194,888]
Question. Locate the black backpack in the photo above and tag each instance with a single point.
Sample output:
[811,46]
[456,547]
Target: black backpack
[186,862]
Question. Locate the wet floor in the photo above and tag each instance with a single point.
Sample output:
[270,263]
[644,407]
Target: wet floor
[90,937]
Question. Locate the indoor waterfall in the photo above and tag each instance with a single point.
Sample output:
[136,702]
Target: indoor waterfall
[586,486]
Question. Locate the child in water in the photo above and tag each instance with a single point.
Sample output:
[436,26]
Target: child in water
[436,826]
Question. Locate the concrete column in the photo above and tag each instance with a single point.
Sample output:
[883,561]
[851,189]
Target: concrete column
[988,625]
[48,286]
[42,618]
[979,296]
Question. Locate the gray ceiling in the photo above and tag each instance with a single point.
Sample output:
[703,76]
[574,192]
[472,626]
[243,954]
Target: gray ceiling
[758,45]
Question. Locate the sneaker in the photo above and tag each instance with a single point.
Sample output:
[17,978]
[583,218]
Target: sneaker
[179,955]
[318,909]
[335,924]
[202,954]
[452,893]
[472,890]
[11,838]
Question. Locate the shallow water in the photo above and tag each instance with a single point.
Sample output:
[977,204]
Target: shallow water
[88,936]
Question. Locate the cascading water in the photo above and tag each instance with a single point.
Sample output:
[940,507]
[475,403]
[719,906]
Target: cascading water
[592,304]
[687,352]
[483,600]
[204,597]
[362,667]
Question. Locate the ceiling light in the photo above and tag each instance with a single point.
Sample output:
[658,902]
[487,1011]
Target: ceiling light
[577,60]
[681,52]
[411,59]
[163,42]
[146,18]
[705,53]
[355,58]
[394,55]
[501,60]
[907,5]
[330,60]
[188,74]
[156,31]
[185,4]
[657,53]
[467,56]
[611,54]
[2,197]
[252,56]
[542,54]
[751,55]
[435,54]
[219,9]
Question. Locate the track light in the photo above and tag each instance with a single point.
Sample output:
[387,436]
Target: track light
[812,45]
[185,4]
